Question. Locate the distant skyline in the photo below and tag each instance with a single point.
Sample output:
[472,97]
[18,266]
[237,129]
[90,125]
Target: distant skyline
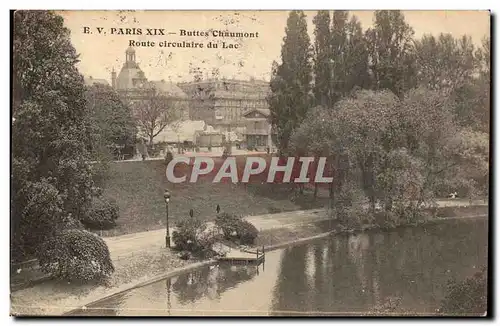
[100,53]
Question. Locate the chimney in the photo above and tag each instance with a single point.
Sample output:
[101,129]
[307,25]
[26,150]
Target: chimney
[113,78]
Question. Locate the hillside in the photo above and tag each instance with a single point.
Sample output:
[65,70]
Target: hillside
[138,188]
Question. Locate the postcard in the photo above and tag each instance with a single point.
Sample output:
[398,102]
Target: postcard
[250,163]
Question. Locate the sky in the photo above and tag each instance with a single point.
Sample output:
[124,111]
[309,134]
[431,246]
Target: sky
[100,52]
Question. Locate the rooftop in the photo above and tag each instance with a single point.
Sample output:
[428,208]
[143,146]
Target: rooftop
[89,81]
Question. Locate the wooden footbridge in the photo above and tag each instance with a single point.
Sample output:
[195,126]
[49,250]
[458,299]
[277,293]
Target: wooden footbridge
[243,256]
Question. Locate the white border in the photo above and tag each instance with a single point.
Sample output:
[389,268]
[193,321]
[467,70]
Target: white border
[188,4]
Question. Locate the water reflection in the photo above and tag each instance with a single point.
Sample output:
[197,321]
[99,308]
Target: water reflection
[338,275]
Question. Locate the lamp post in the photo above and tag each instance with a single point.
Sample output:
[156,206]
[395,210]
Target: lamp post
[166,196]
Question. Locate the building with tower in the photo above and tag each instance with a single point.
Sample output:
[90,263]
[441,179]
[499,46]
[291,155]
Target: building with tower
[225,105]
[132,85]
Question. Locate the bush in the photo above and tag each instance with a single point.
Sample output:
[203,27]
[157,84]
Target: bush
[227,223]
[234,228]
[192,236]
[76,255]
[246,232]
[101,215]
[348,207]
[468,297]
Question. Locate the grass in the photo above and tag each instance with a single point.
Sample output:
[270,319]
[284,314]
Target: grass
[137,188]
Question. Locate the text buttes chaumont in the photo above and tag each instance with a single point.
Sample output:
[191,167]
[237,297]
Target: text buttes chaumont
[162,31]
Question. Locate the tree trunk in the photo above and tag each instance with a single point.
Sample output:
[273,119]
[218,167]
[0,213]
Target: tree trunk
[151,140]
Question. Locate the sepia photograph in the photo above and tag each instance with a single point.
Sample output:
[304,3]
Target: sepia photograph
[329,163]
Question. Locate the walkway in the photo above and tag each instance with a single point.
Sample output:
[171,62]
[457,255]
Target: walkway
[125,246]
[122,246]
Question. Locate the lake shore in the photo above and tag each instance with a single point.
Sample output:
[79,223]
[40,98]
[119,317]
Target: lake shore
[56,297]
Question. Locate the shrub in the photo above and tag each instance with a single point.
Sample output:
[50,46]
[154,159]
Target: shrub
[246,232]
[236,229]
[76,255]
[192,235]
[101,215]
[348,207]
[468,297]
[227,223]
[70,223]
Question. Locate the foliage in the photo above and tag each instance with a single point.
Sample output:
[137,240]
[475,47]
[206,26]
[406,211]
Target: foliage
[392,57]
[155,112]
[50,133]
[111,120]
[322,55]
[456,67]
[192,235]
[290,84]
[76,255]
[443,62]
[467,297]
[102,214]
[348,207]
[100,171]
[246,232]
[234,228]
[401,153]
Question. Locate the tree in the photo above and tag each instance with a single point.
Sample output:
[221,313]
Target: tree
[473,97]
[154,113]
[341,63]
[290,85]
[322,57]
[391,52]
[444,63]
[111,120]
[51,176]
[339,53]
[356,62]
[483,57]
[366,118]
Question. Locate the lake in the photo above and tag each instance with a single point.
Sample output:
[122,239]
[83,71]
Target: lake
[339,275]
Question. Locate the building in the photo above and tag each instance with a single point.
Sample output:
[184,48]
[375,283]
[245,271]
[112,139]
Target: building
[224,102]
[133,86]
[90,81]
[258,131]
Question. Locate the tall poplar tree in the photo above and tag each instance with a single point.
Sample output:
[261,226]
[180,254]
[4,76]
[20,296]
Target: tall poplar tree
[290,96]
[339,53]
[322,56]
[392,54]
[356,62]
